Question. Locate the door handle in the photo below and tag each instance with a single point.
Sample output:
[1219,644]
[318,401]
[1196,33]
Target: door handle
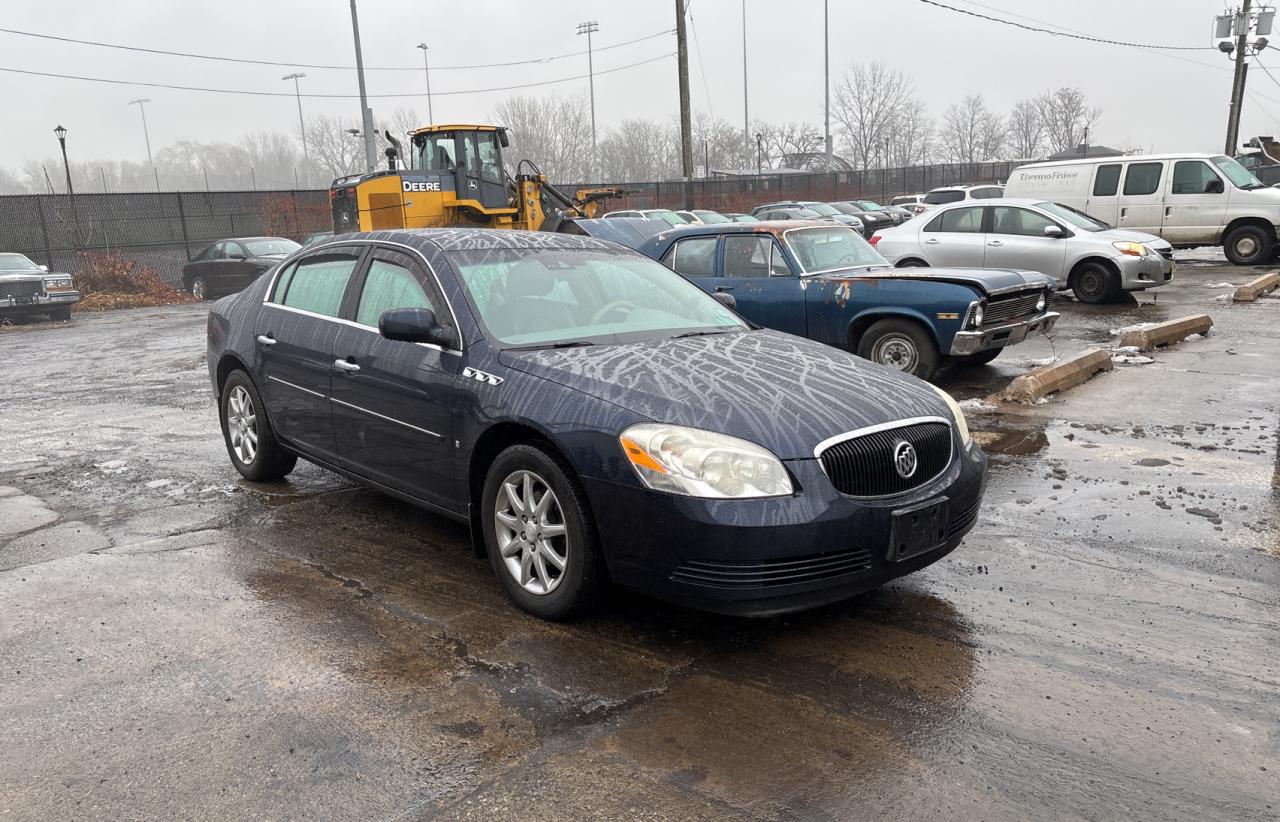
[931,241]
[346,365]
[1168,211]
[1124,212]
[266,339]
[995,242]
[724,288]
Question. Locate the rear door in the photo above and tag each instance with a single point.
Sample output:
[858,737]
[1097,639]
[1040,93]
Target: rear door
[297,334]
[955,237]
[1195,203]
[767,290]
[1016,239]
[1141,200]
[1104,194]
[392,400]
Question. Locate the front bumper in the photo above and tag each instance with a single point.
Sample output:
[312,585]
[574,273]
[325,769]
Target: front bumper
[40,302]
[770,556]
[1139,273]
[967,343]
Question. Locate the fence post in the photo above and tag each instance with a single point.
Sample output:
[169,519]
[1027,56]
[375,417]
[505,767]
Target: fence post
[297,218]
[44,232]
[182,219]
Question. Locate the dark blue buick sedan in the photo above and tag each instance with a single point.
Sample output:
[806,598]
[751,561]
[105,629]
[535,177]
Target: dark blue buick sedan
[595,417]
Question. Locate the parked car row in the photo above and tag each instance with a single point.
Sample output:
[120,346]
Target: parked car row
[28,289]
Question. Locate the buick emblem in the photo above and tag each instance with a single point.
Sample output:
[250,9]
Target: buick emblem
[904,459]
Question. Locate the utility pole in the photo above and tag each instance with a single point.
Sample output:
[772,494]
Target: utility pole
[589,28]
[426,67]
[366,115]
[1237,82]
[103,174]
[141,103]
[746,121]
[826,80]
[686,124]
[302,126]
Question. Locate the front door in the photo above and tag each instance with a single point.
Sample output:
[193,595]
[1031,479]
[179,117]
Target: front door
[1195,204]
[486,179]
[297,333]
[392,400]
[955,238]
[1141,203]
[767,289]
[1104,195]
[1017,240]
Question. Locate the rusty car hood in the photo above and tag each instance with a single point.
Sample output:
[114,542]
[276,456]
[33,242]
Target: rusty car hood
[989,281]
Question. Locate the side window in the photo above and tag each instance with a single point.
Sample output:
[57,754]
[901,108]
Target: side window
[490,169]
[1019,221]
[1142,178]
[388,285]
[1192,177]
[747,255]
[282,284]
[961,220]
[1106,182]
[317,284]
[213,252]
[696,257]
[233,250]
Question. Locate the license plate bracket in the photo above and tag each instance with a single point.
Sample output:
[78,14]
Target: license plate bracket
[918,530]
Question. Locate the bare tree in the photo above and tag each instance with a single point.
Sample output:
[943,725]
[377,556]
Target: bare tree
[1066,117]
[785,140]
[717,143]
[333,149]
[554,132]
[911,135]
[640,150]
[865,104]
[10,183]
[970,131]
[1026,130]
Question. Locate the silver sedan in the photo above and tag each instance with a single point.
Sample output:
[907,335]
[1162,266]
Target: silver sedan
[1094,260]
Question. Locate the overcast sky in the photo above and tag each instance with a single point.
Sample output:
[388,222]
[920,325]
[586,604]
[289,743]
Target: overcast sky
[1156,101]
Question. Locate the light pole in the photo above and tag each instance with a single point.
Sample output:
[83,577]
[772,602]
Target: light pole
[746,128]
[426,67]
[302,126]
[366,116]
[759,154]
[588,28]
[71,192]
[141,104]
[826,80]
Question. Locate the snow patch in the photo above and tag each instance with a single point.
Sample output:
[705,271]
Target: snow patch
[976,404]
[1194,337]
[1120,332]
[1131,359]
[159,483]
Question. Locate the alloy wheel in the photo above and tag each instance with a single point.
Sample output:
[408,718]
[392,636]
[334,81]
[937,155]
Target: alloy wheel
[896,351]
[531,531]
[197,288]
[242,425]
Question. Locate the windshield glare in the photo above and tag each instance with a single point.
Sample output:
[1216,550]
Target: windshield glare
[16,262]
[711,217]
[536,298]
[828,249]
[1069,215]
[1239,176]
[272,245]
[821,208]
[667,216]
[941,197]
[870,206]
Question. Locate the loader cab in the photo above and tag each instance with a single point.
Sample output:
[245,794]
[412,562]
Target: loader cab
[471,155]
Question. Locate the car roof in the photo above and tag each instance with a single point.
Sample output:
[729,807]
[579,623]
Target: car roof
[466,239]
[1190,155]
[1027,201]
[967,186]
[247,239]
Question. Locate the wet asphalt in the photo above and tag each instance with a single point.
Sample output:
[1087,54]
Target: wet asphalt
[177,643]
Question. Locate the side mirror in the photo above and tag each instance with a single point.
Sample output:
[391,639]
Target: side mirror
[1053,231]
[726,299]
[417,325]
[1214,186]
[235,256]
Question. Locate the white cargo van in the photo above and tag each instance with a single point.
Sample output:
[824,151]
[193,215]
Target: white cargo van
[1188,199]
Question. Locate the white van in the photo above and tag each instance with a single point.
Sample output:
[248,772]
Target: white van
[1188,199]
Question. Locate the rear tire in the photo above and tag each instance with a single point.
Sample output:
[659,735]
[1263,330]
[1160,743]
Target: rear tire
[1094,283]
[901,345]
[1248,245]
[544,552]
[199,288]
[247,432]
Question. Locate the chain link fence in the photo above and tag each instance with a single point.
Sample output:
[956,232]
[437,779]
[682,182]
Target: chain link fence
[163,230]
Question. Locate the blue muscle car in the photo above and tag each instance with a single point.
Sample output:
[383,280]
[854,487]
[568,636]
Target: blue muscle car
[826,283]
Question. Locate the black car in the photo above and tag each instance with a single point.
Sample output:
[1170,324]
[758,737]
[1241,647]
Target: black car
[227,266]
[595,418]
[792,210]
[872,215]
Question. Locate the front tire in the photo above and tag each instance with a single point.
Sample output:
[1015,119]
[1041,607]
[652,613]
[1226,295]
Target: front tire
[60,314]
[1248,245]
[250,441]
[199,288]
[902,345]
[1094,283]
[539,535]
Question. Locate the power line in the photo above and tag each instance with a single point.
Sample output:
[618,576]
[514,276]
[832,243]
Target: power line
[250,93]
[706,90]
[218,58]
[1084,37]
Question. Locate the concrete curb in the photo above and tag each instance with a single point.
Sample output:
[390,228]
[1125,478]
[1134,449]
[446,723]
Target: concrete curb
[1254,289]
[1167,332]
[1060,376]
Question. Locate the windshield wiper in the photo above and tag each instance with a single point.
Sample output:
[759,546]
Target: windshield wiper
[701,334]
[565,344]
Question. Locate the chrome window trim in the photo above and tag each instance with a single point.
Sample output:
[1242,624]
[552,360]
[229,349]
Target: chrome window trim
[297,387]
[351,324]
[384,417]
[338,242]
[888,426]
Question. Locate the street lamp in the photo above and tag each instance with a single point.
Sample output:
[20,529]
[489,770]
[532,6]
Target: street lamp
[141,104]
[71,193]
[426,67]
[302,126]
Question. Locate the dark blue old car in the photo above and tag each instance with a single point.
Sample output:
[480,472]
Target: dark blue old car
[826,283]
[594,417]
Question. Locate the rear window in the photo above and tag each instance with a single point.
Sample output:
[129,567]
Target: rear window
[1142,178]
[986,193]
[941,197]
[1107,181]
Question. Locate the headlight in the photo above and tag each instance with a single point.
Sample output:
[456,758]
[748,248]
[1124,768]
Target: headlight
[700,463]
[1131,249]
[975,316]
[57,284]
[961,425]
[867,218]
[1041,303]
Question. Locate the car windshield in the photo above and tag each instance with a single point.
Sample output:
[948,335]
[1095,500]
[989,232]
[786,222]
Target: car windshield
[828,249]
[667,216]
[711,217]
[1239,176]
[270,245]
[846,208]
[821,208]
[539,298]
[16,262]
[745,218]
[870,206]
[1069,215]
[802,213]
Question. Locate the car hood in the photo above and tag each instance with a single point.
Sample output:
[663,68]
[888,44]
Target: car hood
[1124,235]
[986,280]
[11,276]
[785,393]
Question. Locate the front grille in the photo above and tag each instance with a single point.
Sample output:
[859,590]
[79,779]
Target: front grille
[960,522]
[767,573]
[864,466]
[1167,253]
[21,290]
[1004,308]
